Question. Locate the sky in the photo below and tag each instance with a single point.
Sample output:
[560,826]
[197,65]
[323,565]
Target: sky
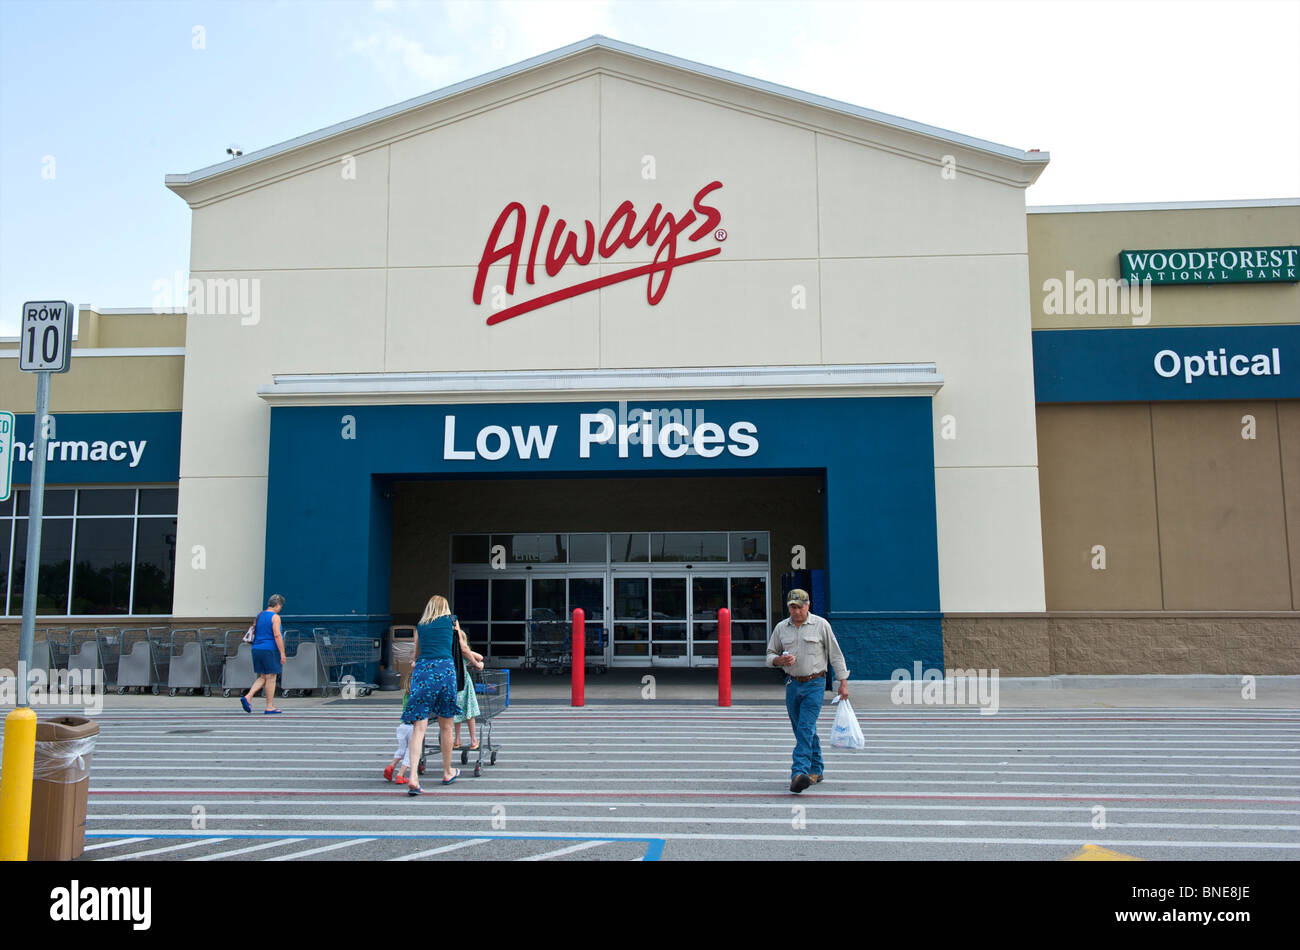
[1136,101]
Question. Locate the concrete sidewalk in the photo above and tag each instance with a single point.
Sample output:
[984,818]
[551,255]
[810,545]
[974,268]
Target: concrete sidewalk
[762,686]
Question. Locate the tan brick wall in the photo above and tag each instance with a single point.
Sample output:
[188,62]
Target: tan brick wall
[1015,646]
[11,629]
[1260,644]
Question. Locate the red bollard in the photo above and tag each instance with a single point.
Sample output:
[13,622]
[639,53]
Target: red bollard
[724,657]
[579,657]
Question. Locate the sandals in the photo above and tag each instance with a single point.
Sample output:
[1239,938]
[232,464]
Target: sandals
[448,781]
[474,747]
[244,700]
[388,774]
[402,780]
[413,790]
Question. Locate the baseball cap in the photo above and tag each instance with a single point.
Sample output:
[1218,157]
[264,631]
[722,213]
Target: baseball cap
[797,596]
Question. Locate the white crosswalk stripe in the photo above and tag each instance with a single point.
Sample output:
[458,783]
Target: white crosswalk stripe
[620,781]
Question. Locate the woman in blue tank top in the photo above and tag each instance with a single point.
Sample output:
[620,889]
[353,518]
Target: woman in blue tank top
[435,681]
[268,655]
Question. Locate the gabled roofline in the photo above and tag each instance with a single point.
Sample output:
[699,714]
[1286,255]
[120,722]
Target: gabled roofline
[1166,206]
[604,42]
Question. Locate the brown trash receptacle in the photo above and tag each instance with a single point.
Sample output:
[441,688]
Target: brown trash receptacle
[60,781]
[403,653]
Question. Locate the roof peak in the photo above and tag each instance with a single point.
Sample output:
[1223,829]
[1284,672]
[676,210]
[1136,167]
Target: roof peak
[600,41]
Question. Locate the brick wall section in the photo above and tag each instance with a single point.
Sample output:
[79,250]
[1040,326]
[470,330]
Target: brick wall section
[11,629]
[1262,644]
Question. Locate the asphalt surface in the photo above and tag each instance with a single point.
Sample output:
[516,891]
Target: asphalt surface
[677,778]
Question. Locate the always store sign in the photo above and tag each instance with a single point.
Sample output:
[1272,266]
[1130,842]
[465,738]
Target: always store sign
[661,230]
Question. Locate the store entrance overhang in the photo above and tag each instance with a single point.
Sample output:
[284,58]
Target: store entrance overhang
[331,466]
[505,386]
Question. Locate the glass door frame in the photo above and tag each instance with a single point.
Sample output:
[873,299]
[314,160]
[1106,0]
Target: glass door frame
[564,572]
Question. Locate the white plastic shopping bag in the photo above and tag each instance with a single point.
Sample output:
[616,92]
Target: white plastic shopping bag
[846,733]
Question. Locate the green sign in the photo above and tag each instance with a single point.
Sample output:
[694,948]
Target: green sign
[1213,265]
[6,454]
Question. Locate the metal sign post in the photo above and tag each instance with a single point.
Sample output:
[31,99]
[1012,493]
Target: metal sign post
[45,345]
[35,514]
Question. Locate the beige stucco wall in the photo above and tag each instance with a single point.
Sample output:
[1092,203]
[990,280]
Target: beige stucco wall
[365,248]
[1089,244]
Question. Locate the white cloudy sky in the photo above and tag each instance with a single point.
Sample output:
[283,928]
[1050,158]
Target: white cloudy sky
[1136,101]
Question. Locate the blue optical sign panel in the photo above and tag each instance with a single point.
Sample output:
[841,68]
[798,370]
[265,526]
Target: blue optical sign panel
[1154,365]
[102,448]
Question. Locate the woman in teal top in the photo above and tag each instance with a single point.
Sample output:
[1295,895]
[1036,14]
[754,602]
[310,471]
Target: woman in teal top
[435,681]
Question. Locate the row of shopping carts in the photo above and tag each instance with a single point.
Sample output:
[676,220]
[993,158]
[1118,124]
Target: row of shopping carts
[207,659]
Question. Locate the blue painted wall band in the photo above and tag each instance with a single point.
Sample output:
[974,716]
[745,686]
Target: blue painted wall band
[1144,364]
[103,448]
[329,524]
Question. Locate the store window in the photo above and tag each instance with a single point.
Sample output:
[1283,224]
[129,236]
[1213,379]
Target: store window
[104,552]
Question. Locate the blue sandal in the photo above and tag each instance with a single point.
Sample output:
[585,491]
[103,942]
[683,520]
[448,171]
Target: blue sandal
[448,781]
[244,702]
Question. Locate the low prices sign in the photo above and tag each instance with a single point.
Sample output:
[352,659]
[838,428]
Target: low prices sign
[1213,265]
[662,230]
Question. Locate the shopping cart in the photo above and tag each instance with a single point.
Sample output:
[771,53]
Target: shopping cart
[548,642]
[198,656]
[492,687]
[83,655]
[137,665]
[593,654]
[160,639]
[346,659]
[58,643]
[110,652]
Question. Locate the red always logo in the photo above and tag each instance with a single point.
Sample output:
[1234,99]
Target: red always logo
[620,231]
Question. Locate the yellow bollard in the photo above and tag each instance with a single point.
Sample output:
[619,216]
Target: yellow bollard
[16,784]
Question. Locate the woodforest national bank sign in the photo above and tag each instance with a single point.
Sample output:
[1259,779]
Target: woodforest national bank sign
[1213,265]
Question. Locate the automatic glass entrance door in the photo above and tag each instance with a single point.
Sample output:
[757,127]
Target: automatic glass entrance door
[500,611]
[552,598]
[667,619]
[650,620]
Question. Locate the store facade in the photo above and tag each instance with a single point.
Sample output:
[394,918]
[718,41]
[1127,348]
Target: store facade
[614,330]
[608,264]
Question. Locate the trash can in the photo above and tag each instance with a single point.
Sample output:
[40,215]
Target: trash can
[60,781]
[403,653]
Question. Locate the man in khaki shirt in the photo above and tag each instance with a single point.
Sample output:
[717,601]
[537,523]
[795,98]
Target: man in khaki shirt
[802,645]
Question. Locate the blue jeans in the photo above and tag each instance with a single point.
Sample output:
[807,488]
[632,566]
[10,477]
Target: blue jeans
[803,701]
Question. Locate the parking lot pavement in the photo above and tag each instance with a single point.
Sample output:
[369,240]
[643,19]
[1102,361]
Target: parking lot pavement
[199,781]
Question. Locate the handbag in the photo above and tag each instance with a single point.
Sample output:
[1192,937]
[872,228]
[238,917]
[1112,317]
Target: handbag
[251,634]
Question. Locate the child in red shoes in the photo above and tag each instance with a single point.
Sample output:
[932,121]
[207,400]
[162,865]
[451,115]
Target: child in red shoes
[403,753]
